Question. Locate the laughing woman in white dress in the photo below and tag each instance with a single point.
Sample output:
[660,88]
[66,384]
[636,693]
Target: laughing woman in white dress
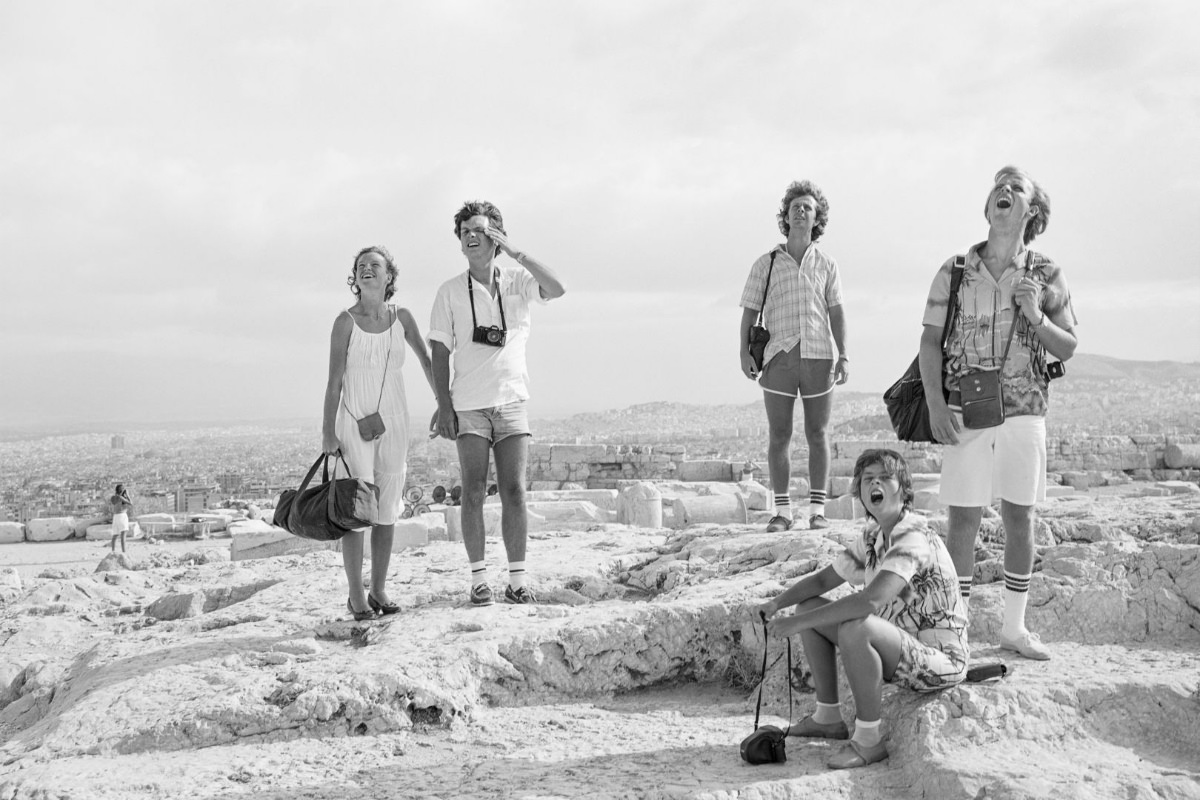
[366,354]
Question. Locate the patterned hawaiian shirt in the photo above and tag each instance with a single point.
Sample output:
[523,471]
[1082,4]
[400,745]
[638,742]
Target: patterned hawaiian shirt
[982,322]
[930,600]
[798,301]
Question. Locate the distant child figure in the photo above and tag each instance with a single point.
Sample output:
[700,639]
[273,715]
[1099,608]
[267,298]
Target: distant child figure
[119,505]
[907,626]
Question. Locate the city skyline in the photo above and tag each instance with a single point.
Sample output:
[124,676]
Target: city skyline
[184,186]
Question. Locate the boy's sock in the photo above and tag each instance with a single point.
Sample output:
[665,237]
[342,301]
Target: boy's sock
[816,502]
[478,573]
[1016,596]
[866,733]
[827,713]
[783,505]
[516,574]
[964,587]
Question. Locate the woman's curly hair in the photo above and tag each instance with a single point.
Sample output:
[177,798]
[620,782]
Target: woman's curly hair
[392,272]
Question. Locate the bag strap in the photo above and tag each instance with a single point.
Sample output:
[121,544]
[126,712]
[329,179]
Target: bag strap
[387,359]
[956,279]
[763,678]
[763,307]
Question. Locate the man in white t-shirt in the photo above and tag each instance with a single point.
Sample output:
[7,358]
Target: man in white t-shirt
[482,317]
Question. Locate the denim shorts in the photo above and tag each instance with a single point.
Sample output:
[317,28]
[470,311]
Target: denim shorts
[495,424]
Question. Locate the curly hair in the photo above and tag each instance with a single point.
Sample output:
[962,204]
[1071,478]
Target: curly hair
[1039,200]
[475,208]
[799,189]
[893,465]
[392,272]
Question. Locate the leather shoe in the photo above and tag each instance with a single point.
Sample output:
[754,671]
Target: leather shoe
[1027,644]
[817,521]
[855,755]
[359,616]
[382,608]
[779,523]
[819,730]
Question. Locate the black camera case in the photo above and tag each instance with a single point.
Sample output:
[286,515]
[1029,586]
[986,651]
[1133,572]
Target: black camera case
[767,745]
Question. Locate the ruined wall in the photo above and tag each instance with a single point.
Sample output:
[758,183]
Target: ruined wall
[601,466]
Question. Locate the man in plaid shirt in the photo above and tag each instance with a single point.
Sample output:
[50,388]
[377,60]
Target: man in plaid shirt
[797,288]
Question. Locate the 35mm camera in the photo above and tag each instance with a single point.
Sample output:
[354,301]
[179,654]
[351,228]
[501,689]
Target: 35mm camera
[489,335]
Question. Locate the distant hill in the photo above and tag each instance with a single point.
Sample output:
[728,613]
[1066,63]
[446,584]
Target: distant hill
[1099,395]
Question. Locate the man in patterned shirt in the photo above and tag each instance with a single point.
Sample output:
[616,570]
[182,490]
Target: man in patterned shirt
[1003,285]
[802,292]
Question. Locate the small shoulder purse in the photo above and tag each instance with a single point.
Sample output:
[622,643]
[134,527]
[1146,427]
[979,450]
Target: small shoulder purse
[371,426]
[982,392]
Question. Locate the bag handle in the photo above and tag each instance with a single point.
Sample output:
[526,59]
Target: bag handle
[763,678]
[763,307]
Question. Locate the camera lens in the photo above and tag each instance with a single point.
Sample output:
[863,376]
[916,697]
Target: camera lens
[493,336]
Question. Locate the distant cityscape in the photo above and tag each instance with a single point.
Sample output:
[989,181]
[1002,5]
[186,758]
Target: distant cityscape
[182,471]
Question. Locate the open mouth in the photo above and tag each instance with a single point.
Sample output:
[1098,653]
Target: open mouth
[876,496]
[1004,202]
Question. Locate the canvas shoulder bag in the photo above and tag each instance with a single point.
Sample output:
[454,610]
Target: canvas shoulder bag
[759,336]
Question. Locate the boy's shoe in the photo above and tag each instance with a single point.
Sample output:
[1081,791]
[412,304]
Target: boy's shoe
[481,595]
[779,523]
[854,755]
[817,521]
[1027,644]
[819,730]
[520,596]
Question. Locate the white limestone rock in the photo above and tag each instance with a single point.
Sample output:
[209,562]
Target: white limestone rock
[50,529]
[11,532]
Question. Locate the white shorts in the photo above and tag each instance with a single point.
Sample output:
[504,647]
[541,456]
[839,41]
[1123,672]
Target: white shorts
[120,523]
[1006,462]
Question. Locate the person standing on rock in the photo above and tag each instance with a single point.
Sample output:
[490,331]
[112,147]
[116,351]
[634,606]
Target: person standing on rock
[1013,308]
[482,318]
[366,353]
[798,293]
[119,506]
[906,626]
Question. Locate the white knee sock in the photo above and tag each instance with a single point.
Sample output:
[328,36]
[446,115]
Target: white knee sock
[816,502]
[867,733]
[783,505]
[964,588]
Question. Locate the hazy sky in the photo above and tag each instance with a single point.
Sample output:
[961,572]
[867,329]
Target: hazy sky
[183,186]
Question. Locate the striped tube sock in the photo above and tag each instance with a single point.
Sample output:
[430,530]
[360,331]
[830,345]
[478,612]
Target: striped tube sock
[516,574]
[816,502]
[866,734]
[964,587]
[478,573]
[1016,596]
[783,505]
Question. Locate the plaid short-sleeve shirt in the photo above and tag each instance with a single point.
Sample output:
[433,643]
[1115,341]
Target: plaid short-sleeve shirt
[984,316]
[798,301]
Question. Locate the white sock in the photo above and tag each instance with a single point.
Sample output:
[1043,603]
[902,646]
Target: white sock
[816,503]
[516,574]
[866,733]
[1016,597]
[827,713]
[783,505]
[478,573]
[964,588]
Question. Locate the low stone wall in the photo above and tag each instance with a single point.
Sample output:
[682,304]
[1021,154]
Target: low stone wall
[598,466]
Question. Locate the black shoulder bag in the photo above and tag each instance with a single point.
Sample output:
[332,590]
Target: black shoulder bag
[768,744]
[759,336]
[905,399]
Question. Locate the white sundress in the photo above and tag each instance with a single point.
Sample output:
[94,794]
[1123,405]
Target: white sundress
[384,461]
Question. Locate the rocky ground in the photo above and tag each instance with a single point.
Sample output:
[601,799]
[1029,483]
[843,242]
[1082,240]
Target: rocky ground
[192,677]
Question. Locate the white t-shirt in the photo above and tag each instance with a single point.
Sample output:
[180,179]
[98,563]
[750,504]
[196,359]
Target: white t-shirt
[485,376]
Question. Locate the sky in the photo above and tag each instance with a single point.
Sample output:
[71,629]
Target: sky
[184,185]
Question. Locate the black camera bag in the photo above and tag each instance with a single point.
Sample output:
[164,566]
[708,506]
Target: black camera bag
[768,744]
[759,336]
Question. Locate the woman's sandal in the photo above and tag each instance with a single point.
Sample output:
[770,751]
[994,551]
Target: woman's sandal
[360,616]
[382,608]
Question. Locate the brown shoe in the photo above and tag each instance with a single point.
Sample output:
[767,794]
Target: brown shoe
[817,730]
[779,523]
[855,755]
[817,521]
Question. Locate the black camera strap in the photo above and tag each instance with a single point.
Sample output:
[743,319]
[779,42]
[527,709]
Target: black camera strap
[763,677]
[499,300]
[766,287]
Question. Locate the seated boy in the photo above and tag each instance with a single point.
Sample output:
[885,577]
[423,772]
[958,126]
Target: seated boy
[907,626]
